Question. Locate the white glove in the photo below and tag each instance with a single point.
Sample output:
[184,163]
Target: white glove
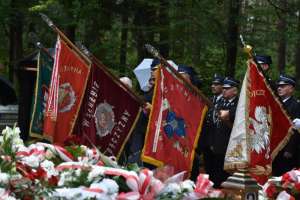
[296,123]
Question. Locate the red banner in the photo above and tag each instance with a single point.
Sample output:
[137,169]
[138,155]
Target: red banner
[108,113]
[261,128]
[68,82]
[174,125]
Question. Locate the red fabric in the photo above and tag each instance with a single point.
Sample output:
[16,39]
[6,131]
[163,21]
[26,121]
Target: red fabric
[112,107]
[173,149]
[68,83]
[261,95]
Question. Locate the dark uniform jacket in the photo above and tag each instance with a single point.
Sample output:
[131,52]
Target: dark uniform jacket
[209,124]
[282,163]
[221,134]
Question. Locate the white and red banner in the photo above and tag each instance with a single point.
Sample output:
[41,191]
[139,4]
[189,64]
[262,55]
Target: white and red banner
[68,83]
[261,127]
[175,123]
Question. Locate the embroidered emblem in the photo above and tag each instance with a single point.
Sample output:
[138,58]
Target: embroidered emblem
[104,119]
[66,97]
[260,131]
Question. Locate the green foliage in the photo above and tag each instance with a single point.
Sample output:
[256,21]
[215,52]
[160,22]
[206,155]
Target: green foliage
[197,30]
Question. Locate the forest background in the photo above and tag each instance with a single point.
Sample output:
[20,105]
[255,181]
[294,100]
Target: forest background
[203,34]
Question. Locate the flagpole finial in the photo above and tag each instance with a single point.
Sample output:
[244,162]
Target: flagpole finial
[247,48]
[47,20]
[151,49]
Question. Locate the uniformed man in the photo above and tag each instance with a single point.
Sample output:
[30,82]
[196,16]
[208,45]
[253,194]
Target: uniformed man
[189,74]
[289,157]
[265,62]
[208,127]
[136,141]
[221,134]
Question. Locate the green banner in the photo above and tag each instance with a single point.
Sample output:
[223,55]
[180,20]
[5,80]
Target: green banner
[44,71]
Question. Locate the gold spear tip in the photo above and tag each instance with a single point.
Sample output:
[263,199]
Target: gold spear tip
[248,48]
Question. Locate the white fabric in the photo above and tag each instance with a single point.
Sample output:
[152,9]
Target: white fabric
[239,131]
[143,72]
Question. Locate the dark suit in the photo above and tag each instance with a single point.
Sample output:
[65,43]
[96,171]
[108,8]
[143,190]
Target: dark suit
[203,146]
[289,157]
[218,141]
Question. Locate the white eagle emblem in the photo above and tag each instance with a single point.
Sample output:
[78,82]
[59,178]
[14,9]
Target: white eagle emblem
[260,134]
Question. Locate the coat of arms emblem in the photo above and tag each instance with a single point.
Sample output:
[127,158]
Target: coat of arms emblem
[104,119]
[66,97]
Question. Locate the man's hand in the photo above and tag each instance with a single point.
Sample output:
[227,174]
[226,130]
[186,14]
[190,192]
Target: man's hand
[224,115]
[147,108]
[296,123]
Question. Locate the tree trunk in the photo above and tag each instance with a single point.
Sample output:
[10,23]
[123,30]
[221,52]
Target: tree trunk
[232,36]
[15,38]
[124,38]
[70,29]
[281,28]
[144,19]
[297,48]
[164,23]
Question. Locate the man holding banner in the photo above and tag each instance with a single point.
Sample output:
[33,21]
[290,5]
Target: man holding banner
[222,130]
[261,129]
[289,157]
[175,122]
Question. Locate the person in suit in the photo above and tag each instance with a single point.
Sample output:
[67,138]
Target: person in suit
[222,129]
[203,146]
[289,157]
[265,62]
[136,141]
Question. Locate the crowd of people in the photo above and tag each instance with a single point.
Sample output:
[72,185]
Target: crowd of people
[215,134]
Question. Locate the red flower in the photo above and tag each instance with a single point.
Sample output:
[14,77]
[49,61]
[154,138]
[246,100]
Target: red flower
[40,173]
[53,180]
[297,186]
[72,140]
[286,177]
[271,190]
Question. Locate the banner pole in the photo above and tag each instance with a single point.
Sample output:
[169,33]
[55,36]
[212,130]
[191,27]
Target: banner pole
[155,53]
[102,66]
[64,37]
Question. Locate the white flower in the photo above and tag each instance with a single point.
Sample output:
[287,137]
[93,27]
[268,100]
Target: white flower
[49,154]
[96,173]
[49,167]
[4,178]
[77,172]
[4,194]
[172,188]
[65,176]
[108,186]
[187,185]
[31,161]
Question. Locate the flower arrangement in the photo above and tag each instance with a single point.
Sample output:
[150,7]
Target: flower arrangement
[286,186]
[47,171]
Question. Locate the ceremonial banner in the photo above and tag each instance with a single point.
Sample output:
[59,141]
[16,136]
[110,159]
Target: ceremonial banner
[261,127]
[108,113]
[68,83]
[175,123]
[44,71]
